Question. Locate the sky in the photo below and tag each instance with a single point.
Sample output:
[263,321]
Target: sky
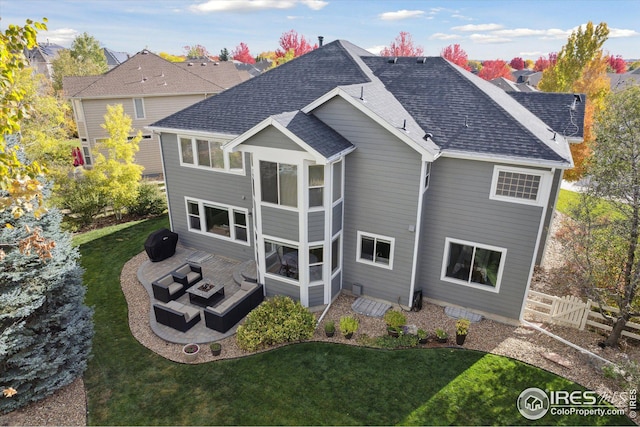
[484,29]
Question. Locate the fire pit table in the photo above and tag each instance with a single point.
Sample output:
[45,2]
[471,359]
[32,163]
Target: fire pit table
[205,293]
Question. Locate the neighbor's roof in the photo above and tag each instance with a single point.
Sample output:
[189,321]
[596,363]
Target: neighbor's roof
[147,74]
[464,113]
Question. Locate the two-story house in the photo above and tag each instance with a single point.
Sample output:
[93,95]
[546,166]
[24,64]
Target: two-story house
[149,88]
[396,174]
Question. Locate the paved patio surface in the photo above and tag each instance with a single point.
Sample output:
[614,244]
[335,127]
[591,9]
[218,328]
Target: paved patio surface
[217,269]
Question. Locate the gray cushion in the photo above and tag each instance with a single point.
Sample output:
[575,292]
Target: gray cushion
[174,287]
[185,269]
[166,280]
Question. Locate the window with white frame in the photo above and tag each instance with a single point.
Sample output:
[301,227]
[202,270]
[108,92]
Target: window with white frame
[375,249]
[427,176]
[279,183]
[281,259]
[335,254]
[208,153]
[217,220]
[86,151]
[138,105]
[316,260]
[473,264]
[518,185]
[337,181]
[316,186]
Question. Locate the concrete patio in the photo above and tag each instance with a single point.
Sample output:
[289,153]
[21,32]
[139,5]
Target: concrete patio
[215,268]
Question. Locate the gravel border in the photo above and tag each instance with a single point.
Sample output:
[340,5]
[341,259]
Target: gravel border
[68,405]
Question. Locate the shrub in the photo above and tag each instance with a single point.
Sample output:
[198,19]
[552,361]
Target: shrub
[462,326]
[330,326]
[83,197]
[394,319]
[348,325]
[277,320]
[150,200]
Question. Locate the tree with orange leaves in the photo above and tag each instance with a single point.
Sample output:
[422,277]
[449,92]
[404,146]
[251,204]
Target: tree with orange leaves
[457,55]
[402,46]
[494,69]
[241,53]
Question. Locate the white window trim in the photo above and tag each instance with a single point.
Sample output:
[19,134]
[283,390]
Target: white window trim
[319,207]
[281,242]
[300,201]
[391,240]
[543,190]
[195,165]
[135,109]
[317,245]
[445,260]
[338,269]
[230,209]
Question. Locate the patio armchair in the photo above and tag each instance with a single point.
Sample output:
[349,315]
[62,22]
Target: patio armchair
[234,308]
[187,274]
[166,288]
[177,316]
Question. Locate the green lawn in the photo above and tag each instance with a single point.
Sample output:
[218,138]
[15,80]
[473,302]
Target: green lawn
[302,384]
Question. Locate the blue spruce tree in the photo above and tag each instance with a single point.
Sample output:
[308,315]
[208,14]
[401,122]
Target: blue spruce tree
[45,328]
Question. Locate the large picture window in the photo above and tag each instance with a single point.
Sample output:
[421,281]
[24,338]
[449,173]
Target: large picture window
[473,264]
[279,183]
[208,153]
[281,259]
[217,220]
[376,250]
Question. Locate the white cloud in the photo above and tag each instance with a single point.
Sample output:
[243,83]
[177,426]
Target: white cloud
[62,36]
[253,5]
[615,33]
[462,17]
[478,27]
[443,36]
[376,49]
[519,32]
[401,14]
[535,54]
[488,39]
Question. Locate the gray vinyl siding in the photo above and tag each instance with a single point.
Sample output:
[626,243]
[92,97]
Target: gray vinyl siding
[155,108]
[316,295]
[276,287]
[212,186]
[272,138]
[382,183]
[316,226]
[336,284]
[280,223]
[457,206]
[553,195]
[337,219]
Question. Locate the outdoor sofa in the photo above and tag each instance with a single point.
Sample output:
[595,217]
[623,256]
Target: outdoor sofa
[177,316]
[173,285]
[234,308]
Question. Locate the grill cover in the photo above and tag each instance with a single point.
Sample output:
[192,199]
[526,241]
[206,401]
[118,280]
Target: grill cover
[161,244]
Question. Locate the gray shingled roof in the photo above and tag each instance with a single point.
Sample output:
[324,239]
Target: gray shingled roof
[316,134]
[148,74]
[555,110]
[463,112]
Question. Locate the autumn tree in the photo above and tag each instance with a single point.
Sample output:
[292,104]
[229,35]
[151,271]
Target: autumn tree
[529,64]
[292,45]
[602,242]
[114,167]
[579,68]
[617,64]
[542,63]
[241,53]
[457,55]
[517,63]
[493,69]
[171,58]
[19,186]
[85,58]
[196,51]
[402,46]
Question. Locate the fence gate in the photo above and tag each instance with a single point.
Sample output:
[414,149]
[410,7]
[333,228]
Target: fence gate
[570,311]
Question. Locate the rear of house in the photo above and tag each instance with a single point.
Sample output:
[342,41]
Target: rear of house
[396,175]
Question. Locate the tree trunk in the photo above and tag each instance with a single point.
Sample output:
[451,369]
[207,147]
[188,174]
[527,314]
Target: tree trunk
[616,333]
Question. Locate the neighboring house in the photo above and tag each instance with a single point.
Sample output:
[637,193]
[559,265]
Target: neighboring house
[512,86]
[114,58]
[624,80]
[341,168]
[149,88]
[41,57]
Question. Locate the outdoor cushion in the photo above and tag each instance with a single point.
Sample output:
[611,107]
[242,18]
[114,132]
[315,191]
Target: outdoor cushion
[166,280]
[174,287]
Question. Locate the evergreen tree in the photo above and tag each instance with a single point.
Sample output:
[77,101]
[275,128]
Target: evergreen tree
[45,328]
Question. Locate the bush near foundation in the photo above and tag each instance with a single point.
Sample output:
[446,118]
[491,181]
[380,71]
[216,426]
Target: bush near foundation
[277,320]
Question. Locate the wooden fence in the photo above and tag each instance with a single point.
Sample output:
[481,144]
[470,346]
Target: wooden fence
[572,311]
